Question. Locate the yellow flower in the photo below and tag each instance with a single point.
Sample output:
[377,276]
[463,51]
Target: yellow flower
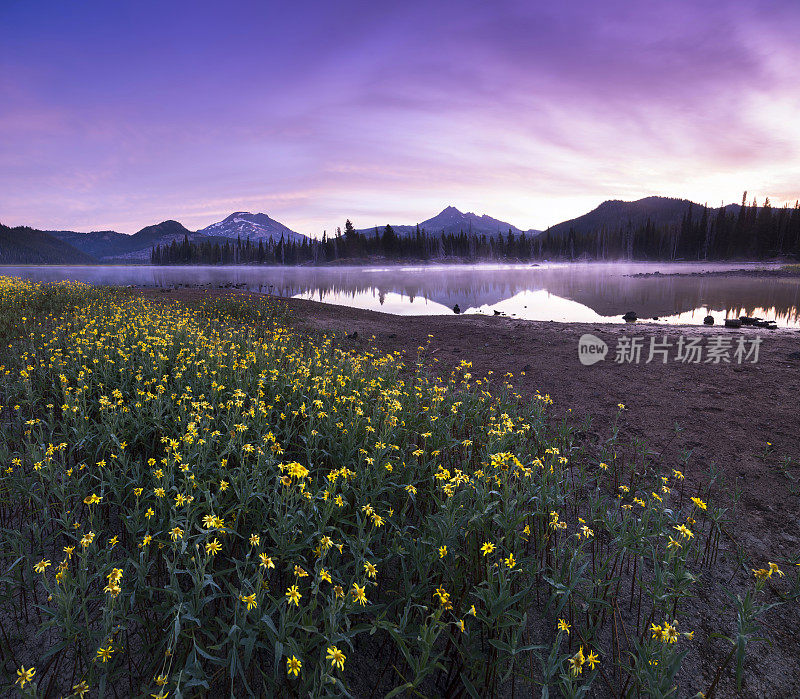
[325,575]
[773,568]
[442,551]
[293,595]
[592,659]
[444,597]
[487,548]
[293,666]
[359,594]
[761,573]
[702,505]
[24,676]
[81,689]
[336,657]
[176,533]
[213,547]
[105,653]
[370,569]
[266,561]
[250,600]
[41,566]
[576,663]
[510,562]
[563,626]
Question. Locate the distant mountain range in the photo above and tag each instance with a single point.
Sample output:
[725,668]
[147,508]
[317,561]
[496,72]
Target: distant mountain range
[451,220]
[107,246]
[27,245]
[110,246]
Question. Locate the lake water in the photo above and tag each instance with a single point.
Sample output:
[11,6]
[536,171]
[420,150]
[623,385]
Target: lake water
[591,292]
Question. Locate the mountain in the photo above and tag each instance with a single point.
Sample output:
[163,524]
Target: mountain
[23,245]
[141,243]
[110,246]
[244,225]
[451,220]
[614,214]
[99,244]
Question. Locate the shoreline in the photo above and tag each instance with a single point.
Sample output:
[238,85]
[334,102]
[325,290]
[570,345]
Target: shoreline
[789,271]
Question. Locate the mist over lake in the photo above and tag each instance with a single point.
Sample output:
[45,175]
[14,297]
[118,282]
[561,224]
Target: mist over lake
[591,292]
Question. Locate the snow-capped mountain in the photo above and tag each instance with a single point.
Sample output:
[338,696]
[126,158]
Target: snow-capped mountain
[451,220]
[244,225]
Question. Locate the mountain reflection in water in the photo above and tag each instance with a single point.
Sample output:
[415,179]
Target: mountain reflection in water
[593,292]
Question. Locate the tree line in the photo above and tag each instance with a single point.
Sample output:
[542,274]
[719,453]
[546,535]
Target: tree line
[744,232]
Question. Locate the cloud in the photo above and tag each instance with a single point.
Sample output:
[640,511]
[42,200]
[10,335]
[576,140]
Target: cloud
[532,112]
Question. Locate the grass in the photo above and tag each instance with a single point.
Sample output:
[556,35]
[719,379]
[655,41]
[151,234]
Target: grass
[199,500]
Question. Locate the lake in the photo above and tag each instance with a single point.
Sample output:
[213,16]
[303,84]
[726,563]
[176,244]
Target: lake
[576,292]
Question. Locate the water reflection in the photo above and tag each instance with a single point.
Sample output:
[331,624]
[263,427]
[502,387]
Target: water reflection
[576,293]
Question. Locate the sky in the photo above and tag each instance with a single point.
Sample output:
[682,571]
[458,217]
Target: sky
[118,115]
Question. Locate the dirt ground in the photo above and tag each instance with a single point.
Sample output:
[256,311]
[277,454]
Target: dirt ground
[726,414]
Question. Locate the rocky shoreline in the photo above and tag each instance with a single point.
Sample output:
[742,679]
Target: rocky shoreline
[790,272]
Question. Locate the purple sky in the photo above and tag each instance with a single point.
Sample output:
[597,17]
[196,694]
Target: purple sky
[122,114]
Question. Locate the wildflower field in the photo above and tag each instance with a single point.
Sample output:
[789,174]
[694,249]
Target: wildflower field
[199,501]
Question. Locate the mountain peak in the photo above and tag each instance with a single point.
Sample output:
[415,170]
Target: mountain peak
[244,224]
[451,220]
